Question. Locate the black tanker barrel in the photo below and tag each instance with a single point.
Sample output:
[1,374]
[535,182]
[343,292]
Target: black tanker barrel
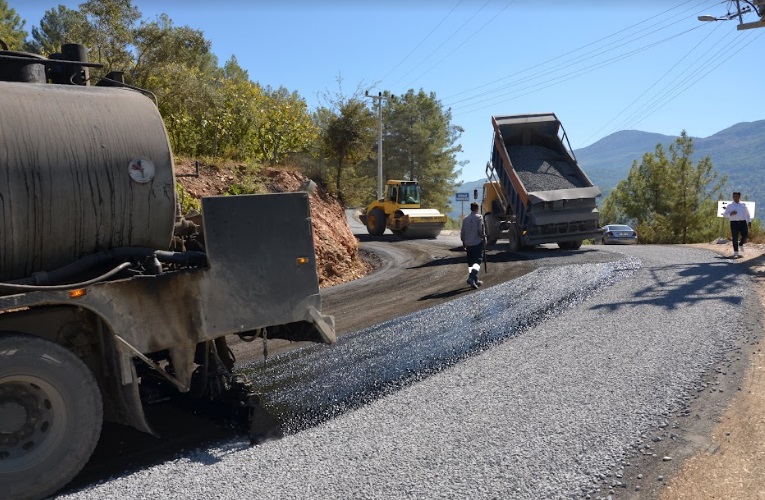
[82,169]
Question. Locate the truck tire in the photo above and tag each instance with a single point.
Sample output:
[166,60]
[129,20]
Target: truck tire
[491,229]
[50,416]
[570,245]
[376,222]
[514,239]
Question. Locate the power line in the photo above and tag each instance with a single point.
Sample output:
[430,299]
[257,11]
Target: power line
[422,41]
[551,60]
[684,57]
[701,72]
[464,42]
[722,56]
[476,106]
[442,43]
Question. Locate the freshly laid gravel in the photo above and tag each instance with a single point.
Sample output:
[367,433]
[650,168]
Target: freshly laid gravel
[537,388]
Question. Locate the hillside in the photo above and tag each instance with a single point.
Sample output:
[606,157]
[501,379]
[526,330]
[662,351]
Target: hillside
[738,152]
[337,255]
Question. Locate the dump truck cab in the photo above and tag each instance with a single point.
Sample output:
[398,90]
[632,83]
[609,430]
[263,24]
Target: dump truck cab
[399,210]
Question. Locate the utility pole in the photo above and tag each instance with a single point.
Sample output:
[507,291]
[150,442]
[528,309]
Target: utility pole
[379,97]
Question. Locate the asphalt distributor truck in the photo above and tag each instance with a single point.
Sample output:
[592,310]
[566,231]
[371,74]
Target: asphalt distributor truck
[105,289]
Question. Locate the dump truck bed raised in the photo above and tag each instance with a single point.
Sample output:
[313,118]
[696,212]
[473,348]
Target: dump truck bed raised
[542,186]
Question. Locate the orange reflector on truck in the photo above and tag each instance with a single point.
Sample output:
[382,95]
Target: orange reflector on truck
[77,292]
[302,260]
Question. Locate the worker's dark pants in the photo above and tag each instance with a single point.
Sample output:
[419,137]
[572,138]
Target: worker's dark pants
[738,227]
[475,255]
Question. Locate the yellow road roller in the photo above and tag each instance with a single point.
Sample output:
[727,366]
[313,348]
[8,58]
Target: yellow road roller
[399,210]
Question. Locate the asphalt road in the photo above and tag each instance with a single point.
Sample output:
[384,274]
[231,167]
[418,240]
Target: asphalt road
[588,374]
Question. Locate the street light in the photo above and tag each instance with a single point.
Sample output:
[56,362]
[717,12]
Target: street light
[756,6]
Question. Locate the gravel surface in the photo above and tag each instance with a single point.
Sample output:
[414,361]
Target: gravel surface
[543,169]
[542,387]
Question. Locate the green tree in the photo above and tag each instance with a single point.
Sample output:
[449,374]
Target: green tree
[236,116]
[282,126]
[12,31]
[159,44]
[420,143]
[233,71]
[697,189]
[346,139]
[609,210]
[668,198]
[109,33]
[58,26]
[176,64]
[188,101]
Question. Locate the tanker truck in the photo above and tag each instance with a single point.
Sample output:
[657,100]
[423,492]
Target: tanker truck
[536,192]
[107,293]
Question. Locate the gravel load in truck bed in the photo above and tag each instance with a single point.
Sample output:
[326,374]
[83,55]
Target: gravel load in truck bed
[543,169]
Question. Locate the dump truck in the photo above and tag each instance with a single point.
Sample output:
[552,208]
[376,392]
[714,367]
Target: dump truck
[536,191]
[109,297]
[399,210]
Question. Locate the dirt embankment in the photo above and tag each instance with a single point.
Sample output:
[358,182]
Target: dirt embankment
[337,255]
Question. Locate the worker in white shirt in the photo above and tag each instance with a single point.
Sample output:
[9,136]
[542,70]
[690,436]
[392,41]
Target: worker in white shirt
[740,223]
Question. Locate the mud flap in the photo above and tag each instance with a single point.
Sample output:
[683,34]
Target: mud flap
[260,425]
[325,325]
[263,426]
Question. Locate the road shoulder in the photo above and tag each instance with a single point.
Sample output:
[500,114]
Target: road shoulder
[730,457]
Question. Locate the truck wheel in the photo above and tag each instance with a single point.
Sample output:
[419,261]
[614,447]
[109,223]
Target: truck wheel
[570,245]
[491,229]
[376,222]
[514,240]
[50,416]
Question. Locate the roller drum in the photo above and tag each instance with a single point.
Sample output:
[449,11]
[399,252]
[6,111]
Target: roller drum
[82,169]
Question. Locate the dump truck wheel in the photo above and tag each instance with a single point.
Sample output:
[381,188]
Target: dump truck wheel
[570,245]
[491,231]
[376,222]
[50,416]
[514,240]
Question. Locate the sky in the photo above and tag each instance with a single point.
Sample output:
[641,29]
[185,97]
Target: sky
[601,67]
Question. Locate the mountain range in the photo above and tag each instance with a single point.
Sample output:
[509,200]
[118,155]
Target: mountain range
[737,151]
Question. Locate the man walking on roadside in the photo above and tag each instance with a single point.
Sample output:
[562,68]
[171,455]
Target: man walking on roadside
[473,236]
[740,222]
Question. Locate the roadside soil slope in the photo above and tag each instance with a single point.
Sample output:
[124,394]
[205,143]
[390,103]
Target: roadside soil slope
[337,256]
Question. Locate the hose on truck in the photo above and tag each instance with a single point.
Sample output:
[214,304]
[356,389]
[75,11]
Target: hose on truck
[39,288]
[41,280]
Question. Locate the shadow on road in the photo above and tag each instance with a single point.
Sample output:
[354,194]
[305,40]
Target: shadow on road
[499,255]
[446,295]
[368,238]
